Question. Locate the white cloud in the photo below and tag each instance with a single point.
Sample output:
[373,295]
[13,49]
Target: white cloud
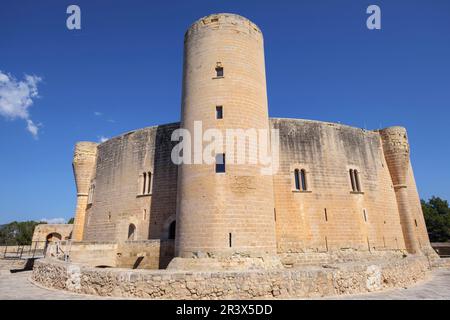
[54,220]
[102,139]
[98,114]
[16,97]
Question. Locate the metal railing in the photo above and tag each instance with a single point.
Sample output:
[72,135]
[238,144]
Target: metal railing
[34,250]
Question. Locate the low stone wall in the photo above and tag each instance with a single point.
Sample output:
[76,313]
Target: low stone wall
[348,278]
[92,254]
[147,254]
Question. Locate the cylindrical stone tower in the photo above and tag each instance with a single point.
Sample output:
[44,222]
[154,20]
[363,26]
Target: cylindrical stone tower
[83,169]
[231,213]
[396,152]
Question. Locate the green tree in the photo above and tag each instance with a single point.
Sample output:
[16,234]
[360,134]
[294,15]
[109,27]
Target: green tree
[437,218]
[17,233]
[71,220]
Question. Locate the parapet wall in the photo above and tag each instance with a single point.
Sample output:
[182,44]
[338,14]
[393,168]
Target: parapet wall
[295,283]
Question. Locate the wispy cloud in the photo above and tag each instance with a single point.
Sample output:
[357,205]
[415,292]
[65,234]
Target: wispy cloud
[54,220]
[102,139]
[16,97]
[103,116]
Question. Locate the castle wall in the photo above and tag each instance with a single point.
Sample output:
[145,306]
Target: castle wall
[119,200]
[232,212]
[42,231]
[83,166]
[416,210]
[327,152]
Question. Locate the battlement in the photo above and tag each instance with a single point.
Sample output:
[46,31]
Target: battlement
[223,21]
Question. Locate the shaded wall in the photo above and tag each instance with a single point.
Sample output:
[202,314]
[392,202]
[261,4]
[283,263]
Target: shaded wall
[118,200]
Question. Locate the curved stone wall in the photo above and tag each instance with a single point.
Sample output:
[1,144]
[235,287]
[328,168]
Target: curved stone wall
[330,215]
[327,217]
[118,199]
[288,283]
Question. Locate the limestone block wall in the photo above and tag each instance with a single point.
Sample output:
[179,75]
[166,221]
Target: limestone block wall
[329,216]
[83,168]
[416,211]
[120,200]
[92,254]
[224,213]
[148,254]
[42,231]
[397,153]
[256,284]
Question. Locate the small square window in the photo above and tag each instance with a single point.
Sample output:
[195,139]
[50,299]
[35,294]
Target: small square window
[219,72]
[220,163]
[219,112]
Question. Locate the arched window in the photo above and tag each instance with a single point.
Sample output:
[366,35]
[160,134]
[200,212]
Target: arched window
[91,194]
[303,179]
[172,230]
[352,179]
[300,182]
[297,179]
[131,232]
[358,185]
[149,182]
[144,183]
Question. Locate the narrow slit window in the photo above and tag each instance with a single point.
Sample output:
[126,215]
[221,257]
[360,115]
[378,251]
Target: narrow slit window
[219,112]
[297,179]
[326,214]
[149,182]
[230,239]
[220,163]
[172,230]
[352,180]
[365,215]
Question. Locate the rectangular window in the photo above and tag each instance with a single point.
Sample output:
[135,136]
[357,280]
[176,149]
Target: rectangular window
[220,163]
[219,112]
[219,72]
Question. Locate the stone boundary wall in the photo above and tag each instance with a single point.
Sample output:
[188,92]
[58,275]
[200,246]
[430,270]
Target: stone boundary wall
[349,278]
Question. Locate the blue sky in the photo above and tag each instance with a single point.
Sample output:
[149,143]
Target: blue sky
[122,71]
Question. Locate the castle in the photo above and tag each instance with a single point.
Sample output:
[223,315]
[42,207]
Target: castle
[339,192]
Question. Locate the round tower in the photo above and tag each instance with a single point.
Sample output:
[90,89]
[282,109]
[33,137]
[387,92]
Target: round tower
[396,153]
[224,210]
[83,169]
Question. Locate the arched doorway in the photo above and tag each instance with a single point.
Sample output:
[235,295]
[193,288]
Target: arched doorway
[172,230]
[131,232]
[52,237]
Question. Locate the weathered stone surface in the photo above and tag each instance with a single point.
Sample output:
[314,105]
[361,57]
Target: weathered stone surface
[342,279]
